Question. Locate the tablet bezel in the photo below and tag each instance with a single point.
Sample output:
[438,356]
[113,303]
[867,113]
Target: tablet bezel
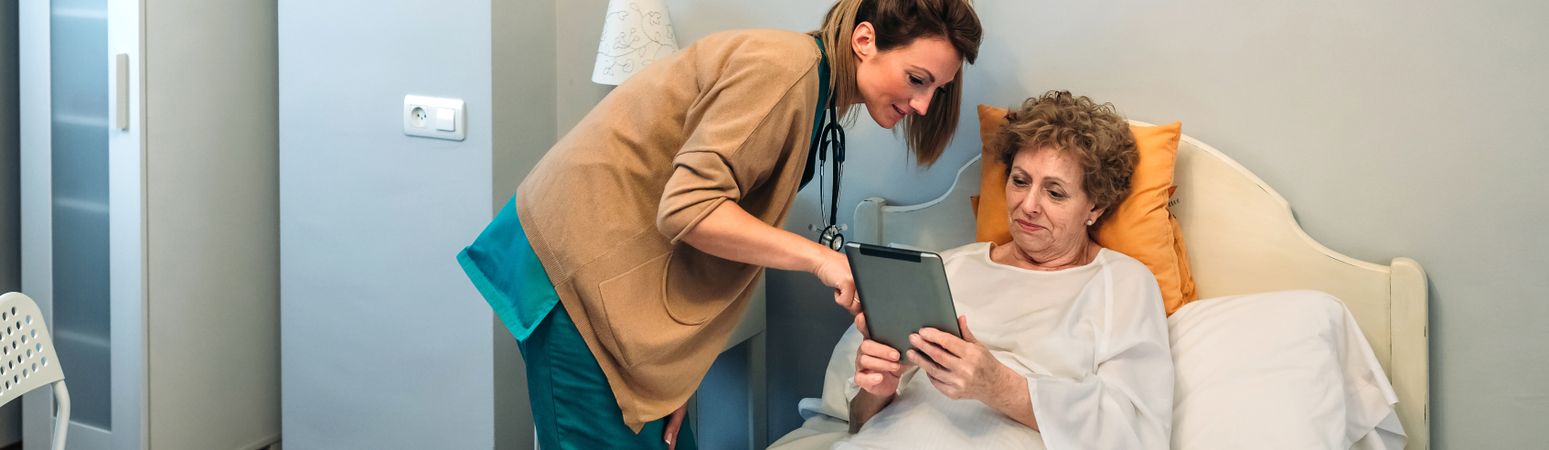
[909,290]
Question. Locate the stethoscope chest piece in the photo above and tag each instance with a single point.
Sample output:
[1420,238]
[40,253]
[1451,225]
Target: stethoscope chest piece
[833,237]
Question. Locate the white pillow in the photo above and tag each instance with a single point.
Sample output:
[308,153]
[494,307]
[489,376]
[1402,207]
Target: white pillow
[838,380]
[1275,370]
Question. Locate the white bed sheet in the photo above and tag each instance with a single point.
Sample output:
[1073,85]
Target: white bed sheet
[1365,411]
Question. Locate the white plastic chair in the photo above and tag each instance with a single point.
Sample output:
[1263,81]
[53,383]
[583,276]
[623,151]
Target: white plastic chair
[27,359]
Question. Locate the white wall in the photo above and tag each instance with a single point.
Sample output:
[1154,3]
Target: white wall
[385,343]
[1392,128]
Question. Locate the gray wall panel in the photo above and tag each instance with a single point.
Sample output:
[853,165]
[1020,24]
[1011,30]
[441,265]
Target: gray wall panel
[523,102]
[385,344]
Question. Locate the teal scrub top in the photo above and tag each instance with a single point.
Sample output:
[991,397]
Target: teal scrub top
[504,268]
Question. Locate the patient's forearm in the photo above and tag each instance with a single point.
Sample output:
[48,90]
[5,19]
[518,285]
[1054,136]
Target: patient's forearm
[1013,399]
[864,406]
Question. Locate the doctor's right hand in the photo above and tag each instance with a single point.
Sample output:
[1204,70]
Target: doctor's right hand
[834,271]
[877,366]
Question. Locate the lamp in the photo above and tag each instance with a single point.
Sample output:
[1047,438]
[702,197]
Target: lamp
[635,33]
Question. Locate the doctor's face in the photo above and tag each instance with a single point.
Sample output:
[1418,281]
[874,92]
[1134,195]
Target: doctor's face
[901,81]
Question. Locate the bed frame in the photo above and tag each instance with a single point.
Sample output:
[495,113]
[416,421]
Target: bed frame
[1241,238]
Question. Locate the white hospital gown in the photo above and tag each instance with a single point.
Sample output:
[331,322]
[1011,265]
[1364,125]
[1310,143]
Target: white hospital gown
[1091,342]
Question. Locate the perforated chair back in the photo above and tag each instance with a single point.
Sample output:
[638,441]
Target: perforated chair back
[27,359]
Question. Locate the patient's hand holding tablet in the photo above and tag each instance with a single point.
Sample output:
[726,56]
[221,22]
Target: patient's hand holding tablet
[901,292]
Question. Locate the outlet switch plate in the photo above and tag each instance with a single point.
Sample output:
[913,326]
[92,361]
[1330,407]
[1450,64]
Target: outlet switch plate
[434,117]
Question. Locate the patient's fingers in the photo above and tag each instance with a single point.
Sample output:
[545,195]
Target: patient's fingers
[945,380]
[860,324]
[931,349]
[968,335]
[944,340]
[876,364]
[879,350]
[870,382]
[946,385]
[935,379]
[931,366]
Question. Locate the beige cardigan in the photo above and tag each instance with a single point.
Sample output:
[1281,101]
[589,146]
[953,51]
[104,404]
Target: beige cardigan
[727,119]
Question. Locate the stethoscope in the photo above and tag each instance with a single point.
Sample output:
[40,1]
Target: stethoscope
[830,136]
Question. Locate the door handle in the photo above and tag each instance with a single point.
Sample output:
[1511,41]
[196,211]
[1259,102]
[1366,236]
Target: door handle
[121,91]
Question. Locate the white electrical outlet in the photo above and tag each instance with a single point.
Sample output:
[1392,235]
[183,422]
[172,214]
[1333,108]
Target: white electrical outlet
[433,117]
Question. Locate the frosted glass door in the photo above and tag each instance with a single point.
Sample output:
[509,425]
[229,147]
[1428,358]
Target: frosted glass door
[79,60]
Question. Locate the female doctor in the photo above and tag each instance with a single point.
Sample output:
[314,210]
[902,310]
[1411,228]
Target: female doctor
[629,253]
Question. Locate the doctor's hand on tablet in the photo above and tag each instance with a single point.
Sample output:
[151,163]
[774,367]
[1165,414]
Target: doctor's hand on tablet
[877,366]
[833,269]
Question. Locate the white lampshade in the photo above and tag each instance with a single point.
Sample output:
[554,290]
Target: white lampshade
[634,34]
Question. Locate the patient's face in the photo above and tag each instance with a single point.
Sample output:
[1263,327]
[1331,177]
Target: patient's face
[1047,204]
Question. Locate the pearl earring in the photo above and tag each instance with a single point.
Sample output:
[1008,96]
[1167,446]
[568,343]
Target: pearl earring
[1090,222]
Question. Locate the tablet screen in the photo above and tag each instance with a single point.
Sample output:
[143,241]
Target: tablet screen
[901,292]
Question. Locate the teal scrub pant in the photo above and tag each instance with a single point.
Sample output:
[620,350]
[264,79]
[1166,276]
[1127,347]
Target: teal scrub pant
[572,405]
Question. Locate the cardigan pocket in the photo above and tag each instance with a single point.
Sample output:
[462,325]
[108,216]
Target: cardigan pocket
[656,309]
[702,286]
[640,328]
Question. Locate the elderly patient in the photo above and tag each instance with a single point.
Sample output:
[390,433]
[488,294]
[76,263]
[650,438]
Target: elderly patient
[1064,342]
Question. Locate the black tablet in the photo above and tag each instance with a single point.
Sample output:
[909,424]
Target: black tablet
[901,292]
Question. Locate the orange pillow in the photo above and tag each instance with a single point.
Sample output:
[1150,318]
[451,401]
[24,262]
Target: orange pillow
[1140,226]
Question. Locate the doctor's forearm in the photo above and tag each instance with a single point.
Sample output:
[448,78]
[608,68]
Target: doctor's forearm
[731,233]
